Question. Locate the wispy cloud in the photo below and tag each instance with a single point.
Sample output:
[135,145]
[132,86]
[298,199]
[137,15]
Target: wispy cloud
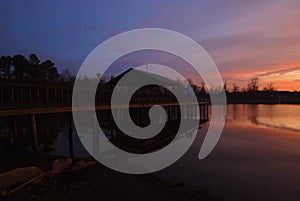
[244,38]
[280,72]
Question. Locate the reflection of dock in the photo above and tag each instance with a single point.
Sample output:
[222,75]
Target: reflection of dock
[203,107]
[32,100]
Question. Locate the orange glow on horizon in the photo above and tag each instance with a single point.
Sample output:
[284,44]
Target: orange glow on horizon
[284,77]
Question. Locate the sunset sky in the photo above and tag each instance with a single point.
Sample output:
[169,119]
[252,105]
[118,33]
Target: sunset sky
[244,38]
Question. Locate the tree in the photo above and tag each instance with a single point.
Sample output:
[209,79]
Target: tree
[34,63]
[235,88]
[48,71]
[5,67]
[20,68]
[67,77]
[33,59]
[253,85]
[192,86]
[202,90]
[226,86]
[270,87]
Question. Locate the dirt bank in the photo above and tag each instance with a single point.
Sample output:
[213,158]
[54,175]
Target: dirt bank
[100,183]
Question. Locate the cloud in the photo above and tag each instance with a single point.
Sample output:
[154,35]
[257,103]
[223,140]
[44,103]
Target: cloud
[280,72]
[243,37]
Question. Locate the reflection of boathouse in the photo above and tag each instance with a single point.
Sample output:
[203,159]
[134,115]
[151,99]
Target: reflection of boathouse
[140,103]
[35,102]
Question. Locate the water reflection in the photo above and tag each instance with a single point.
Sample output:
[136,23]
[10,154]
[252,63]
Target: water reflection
[276,116]
[256,158]
[53,130]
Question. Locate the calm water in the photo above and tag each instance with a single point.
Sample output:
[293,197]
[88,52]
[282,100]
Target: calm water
[257,157]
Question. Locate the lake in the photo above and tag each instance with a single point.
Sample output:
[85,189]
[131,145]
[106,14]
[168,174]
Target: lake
[256,158]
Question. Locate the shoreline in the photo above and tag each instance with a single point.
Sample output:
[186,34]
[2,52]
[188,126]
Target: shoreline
[101,183]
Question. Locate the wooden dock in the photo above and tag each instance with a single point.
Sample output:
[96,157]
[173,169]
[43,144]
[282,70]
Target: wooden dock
[31,100]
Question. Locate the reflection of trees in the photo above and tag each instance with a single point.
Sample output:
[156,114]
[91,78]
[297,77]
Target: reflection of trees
[253,114]
[48,139]
[23,132]
[49,128]
[234,108]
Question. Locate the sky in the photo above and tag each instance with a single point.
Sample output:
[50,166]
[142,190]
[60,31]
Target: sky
[244,38]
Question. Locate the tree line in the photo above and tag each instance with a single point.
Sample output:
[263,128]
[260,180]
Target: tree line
[20,69]
[252,87]
[253,92]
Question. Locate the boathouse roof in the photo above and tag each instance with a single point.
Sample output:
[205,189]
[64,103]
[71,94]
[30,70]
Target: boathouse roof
[142,75]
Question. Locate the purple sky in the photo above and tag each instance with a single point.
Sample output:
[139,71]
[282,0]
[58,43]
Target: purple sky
[244,38]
